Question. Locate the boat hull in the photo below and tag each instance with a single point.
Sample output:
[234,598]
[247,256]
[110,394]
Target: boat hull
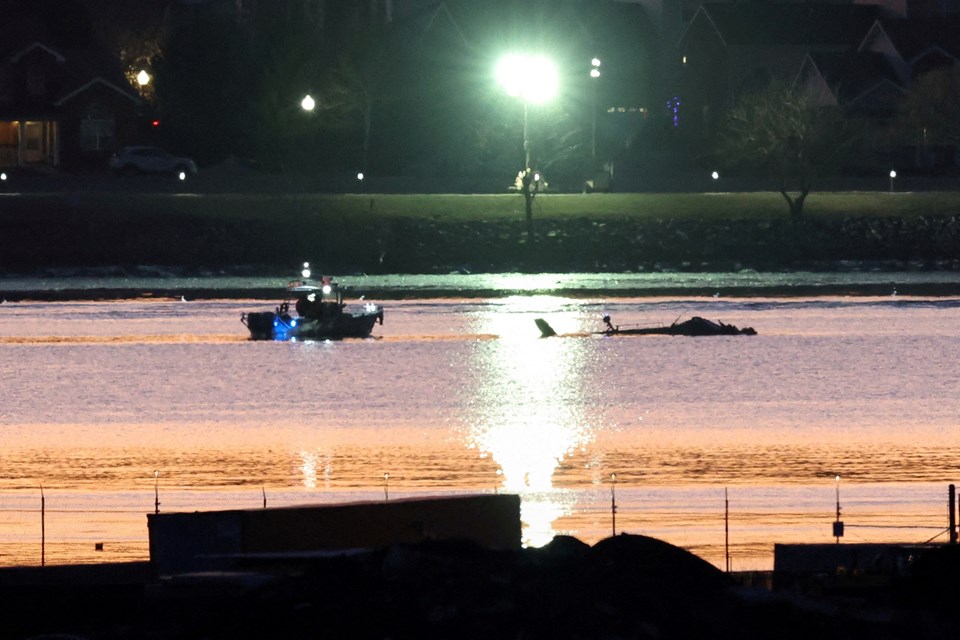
[272,326]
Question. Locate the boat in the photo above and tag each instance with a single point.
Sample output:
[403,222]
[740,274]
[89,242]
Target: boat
[313,312]
[695,326]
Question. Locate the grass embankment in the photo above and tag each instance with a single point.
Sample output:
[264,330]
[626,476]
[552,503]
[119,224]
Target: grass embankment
[428,233]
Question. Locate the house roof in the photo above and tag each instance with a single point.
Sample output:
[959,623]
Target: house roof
[915,37]
[78,71]
[786,23]
[850,75]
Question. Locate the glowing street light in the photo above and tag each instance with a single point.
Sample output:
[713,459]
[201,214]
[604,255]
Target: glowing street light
[308,103]
[715,175]
[533,79]
[143,78]
[893,175]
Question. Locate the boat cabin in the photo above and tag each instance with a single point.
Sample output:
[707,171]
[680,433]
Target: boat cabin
[312,301]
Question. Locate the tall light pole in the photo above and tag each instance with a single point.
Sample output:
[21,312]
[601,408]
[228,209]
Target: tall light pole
[533,79]
[595,74]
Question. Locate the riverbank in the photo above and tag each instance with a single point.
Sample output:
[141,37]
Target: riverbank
[423,234]
[156,282]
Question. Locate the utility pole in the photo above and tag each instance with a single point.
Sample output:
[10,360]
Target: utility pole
[726,527]
[613,501]
[43,528]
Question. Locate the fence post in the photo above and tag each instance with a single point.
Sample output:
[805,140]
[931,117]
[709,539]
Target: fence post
[953,514]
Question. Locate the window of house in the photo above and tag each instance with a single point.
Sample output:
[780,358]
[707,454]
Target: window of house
[36,80]
[9,138]
[8,133]
[97,128]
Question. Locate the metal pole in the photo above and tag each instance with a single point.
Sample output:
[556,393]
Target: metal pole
[952,491]
[837,524]
[156,491]
[43,528]
[838,498]
[593,136]
[526,138]
[726,526]
[613,501]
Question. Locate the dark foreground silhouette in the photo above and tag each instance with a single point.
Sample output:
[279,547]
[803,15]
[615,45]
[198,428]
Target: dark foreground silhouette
[623,587]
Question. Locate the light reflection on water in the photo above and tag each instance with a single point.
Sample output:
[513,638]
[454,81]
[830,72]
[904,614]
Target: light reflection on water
[464,396]
[528,410]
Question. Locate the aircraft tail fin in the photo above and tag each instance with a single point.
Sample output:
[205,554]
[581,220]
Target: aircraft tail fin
[545,329]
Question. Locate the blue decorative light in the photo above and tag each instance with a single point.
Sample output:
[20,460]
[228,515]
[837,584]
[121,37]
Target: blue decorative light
[673,105]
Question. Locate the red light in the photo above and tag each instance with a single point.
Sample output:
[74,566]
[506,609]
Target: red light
[155,123]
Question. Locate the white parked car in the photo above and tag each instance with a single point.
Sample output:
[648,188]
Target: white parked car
[129,160]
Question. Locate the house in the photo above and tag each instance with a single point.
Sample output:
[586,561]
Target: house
[61,106]
[730,48]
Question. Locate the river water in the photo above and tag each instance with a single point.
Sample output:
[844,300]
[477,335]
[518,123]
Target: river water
[110,406]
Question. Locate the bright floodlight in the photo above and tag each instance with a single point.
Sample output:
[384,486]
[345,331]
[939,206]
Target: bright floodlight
[531,78]
[308,103]
[893,174]
[143,78]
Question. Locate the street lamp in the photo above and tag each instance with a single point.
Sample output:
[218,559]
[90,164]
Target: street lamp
[893,175]
[308,103]
[595,74]
[533,79]
[143,78]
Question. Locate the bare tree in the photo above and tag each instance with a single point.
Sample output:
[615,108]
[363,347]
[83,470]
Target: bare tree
[930,112]
[777,132]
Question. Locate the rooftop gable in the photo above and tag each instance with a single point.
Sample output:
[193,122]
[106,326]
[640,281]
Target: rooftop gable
[913,37]
[786,23]
[95,82]
[850,75]
[36,46]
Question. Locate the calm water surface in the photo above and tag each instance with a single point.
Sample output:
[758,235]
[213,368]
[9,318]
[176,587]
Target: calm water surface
[462,395]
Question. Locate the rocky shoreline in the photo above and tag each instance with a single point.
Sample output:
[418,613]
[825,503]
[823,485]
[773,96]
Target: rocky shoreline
[60,232]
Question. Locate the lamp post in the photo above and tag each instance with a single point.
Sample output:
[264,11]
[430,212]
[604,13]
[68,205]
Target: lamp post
[893,176]
[533,79]
[595,74]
